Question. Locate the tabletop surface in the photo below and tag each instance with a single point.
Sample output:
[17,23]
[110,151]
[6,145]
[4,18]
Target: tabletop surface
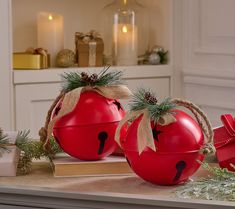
[121,188]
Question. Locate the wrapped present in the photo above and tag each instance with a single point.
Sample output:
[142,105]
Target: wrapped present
[10,157]
[89,49]
[224,141]
[31,59]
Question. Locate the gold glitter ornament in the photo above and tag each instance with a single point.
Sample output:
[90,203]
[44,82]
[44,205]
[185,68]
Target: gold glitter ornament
[65,58]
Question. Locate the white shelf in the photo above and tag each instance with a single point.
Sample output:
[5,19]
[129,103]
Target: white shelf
[54,74]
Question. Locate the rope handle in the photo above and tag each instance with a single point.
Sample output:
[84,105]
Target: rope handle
[203,122]
[43,130]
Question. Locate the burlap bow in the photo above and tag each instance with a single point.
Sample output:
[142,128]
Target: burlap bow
[71,98]
[144,131]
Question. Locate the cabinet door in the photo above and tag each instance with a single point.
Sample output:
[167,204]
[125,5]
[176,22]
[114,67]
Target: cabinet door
[34,100]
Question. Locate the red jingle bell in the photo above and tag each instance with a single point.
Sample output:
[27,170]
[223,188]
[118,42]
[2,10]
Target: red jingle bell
[163,144]
[224,141]
[88,131]
[175,159]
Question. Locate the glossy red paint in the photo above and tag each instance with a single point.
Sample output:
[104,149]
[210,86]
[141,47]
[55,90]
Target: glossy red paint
[88,131]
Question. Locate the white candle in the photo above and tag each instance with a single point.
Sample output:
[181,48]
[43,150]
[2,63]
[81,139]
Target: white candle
[50,33]
[125,44]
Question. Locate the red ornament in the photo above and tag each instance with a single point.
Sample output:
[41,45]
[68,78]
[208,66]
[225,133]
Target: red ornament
[88,131]
[224,141]
[178,146]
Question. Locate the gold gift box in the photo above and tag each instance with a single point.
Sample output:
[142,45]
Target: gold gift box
[22,60]
[89,53]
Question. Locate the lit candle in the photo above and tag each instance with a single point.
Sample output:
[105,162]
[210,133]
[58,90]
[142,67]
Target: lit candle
[50,33]
[125,44]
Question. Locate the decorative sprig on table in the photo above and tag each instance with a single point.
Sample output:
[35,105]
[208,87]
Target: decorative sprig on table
[219,186]
[31,149]
[73,80]
[3,143]
[146,99]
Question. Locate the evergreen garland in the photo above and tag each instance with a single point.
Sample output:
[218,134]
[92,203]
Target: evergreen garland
[73,80]
[143,99]
[219,186]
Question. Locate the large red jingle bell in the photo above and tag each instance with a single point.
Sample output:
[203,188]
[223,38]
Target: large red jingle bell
[175,159]
[88,131]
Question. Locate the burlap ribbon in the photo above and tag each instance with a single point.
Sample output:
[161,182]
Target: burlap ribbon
[71,98]
[144,131]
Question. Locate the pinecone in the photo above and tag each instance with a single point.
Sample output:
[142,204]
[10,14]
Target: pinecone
[84,77]
[93,78]
[150,98]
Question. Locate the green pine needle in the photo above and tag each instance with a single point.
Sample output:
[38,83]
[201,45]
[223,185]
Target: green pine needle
[163,56]
[32,149]
[219,186]
[156,110]
[73,80]
[4,140]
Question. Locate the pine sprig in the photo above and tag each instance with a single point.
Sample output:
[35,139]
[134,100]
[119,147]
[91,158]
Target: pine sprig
[219,186]
[73,80]
[143,99]
[163,56]
[31,149]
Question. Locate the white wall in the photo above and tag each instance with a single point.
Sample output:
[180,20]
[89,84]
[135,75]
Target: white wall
[209,55]
[82,16]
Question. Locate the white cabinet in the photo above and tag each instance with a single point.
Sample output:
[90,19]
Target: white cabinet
[36,90]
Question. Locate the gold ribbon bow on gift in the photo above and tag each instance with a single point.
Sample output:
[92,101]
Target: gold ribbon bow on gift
[70,100]
[86,37]
[40,51]
[144,131]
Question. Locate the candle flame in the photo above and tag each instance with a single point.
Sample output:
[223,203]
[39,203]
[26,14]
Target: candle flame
[124,29]
[50,17]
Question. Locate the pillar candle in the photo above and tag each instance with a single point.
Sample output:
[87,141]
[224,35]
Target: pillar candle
[50,33]
[125,44]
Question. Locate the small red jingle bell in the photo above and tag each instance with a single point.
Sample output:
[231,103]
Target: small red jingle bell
[163,153]
[224,141]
